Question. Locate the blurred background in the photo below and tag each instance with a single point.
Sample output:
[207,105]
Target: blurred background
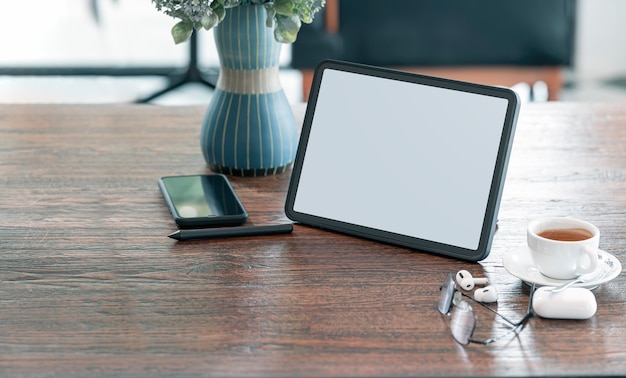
[108,51]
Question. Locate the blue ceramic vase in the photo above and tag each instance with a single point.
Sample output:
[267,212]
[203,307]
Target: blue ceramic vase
[249,128]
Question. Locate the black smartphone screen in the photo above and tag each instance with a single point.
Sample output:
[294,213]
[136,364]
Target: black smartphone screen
[202,200]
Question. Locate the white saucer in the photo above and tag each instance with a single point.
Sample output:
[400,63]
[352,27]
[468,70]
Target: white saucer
[520,264]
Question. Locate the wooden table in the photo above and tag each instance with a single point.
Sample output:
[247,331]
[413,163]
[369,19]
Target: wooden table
[91,286]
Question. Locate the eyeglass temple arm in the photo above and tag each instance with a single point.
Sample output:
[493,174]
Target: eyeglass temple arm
[529,311]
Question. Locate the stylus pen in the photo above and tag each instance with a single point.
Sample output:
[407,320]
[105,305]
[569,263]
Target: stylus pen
[207,233]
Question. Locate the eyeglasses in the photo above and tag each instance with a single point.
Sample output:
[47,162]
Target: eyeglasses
[463,318]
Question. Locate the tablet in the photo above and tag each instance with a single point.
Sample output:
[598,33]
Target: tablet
[402,158]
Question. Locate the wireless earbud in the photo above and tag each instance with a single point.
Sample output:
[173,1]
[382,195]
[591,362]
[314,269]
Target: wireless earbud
[466,282]
[487,294]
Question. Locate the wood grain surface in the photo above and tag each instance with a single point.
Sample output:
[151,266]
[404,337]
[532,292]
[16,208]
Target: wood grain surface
[90,285]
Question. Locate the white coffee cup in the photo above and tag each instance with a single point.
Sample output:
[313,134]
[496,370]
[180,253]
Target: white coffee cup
[555,255]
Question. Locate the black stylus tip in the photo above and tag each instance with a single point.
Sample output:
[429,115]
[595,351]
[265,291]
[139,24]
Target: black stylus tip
[175,235]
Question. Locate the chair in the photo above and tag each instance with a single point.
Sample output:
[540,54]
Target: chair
[493,42]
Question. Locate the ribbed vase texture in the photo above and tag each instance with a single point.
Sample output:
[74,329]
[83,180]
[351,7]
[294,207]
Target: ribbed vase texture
[249,128]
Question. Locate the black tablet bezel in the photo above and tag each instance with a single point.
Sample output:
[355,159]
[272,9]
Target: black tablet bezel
[431,246]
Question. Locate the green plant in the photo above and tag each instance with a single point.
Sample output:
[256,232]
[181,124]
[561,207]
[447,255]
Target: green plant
[287,15]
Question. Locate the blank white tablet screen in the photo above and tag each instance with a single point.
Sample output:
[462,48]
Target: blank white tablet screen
[402,157]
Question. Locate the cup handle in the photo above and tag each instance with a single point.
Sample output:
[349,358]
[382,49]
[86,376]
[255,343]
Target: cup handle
[588,261]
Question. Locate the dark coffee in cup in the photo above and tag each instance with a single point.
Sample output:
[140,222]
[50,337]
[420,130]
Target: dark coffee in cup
[566,234]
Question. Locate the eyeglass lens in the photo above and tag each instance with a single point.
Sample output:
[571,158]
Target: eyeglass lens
[463,322]
[447,294]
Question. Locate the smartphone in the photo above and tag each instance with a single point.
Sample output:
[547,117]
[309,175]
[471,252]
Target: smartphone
[202,201]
